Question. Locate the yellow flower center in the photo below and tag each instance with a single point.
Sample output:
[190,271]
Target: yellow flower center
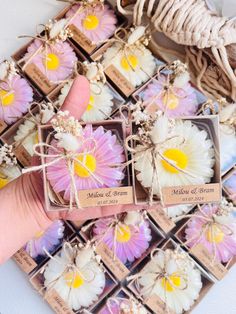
[73,280]
[36,138]
[88,161]
[170,101]
[52,62]
[91,103]
[123,234]
[170,283]
[39,234]
[178,157]
[91,22]
[129,62]
[3,180]
[6,98]
[214,234]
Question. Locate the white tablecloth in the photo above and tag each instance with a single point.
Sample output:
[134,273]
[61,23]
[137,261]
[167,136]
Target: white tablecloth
[18,17]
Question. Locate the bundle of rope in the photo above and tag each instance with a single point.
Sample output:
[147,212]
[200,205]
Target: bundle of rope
[209,39]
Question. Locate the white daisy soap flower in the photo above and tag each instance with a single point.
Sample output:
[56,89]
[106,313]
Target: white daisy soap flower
[7,70]
[67,130]
[7,157]
[76,275]
[173,277]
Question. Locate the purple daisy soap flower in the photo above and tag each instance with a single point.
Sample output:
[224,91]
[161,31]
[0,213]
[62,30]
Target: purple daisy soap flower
[176,102]
[127,239]
[16,96]
[216,232]
[56,63]
[45,240]
[97,23]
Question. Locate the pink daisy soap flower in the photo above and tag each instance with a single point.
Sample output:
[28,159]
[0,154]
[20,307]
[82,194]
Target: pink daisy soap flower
[97,155]
[96,22]
[56,62]
[16,94]
[214,227]
[127,237]
[175,101]
[45,241]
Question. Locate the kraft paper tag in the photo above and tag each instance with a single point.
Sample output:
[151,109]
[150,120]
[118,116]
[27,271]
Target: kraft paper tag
[202,254]
[39,78]
[107,196]
[113,264]
[157,305]
[124,85]
[57,303]
[82,40]
[3,126]
[161,218]
[24,261]
[190,194]
[23,156]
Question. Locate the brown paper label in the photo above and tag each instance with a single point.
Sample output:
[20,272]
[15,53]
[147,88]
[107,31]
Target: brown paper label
[203,255]
[124,85]
[3,126]
[57,303]
[190,194]
[39,78]
[161,218]
[107,196]
[157,305]
[25,262]
[82,40]
[113,264]
[23,156]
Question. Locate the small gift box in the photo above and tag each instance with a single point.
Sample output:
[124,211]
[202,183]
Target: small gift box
[16,95]
[49,59]
[9,169]
[23,135]
[170,281]
[127,59]
[104,101]
[73,280]
[91,23]
[229,185]
[171,91]
[122,301]
[83,165]
[174,161]
[122,241]
[209,235]
[36,252]
[165,217]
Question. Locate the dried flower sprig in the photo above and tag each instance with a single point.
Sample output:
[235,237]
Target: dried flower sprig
[7,70]
[7,157]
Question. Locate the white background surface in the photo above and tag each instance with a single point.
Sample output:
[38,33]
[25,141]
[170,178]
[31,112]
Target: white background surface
[18,17]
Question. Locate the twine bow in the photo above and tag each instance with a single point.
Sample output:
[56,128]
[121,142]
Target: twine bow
[70,253]
[160,275]
[210,225]
[155,149]
[70,158]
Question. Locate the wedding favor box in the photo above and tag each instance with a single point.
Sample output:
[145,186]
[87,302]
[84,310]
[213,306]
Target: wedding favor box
[79,38]
[29,264]
[95,197]
[119,269]
[56,302]
[201,254]
[229,185]
[194,194]
[153,301]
